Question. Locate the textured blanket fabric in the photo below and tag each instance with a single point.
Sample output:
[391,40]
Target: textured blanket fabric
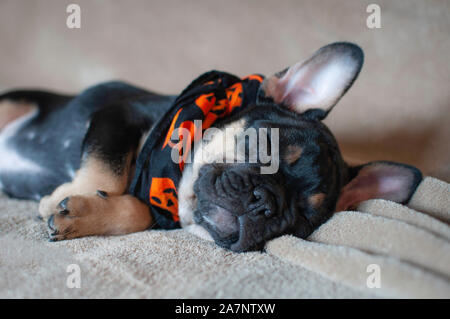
[410,247]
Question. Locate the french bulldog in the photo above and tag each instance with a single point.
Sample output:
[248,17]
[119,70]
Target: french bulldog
[101,162]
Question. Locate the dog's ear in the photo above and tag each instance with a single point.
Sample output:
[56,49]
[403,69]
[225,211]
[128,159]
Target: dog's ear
[319,82]
[383,180]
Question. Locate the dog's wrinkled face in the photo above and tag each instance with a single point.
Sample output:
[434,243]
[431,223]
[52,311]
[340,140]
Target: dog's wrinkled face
[240,206]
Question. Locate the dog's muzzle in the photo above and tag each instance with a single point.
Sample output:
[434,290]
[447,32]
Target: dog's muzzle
[239,207]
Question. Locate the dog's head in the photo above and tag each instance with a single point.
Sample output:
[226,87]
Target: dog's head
[244,204]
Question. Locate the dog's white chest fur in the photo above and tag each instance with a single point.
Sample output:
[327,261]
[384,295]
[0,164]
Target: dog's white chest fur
[10,159]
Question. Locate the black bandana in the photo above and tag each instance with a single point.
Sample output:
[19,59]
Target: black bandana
[211,96]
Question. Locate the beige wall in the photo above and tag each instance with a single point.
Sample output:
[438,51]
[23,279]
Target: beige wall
[399,109]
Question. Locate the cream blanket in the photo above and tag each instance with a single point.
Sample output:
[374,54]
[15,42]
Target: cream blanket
[399,251]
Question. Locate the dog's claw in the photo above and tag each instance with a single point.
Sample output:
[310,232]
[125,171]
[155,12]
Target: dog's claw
[102,194]
[50,223]
[63,206]
[51,226]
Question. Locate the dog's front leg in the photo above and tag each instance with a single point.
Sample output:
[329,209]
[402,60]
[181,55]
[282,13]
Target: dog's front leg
[108,152]
[94,175]
[101,214]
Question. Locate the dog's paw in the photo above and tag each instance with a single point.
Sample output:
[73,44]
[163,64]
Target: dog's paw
[71,219]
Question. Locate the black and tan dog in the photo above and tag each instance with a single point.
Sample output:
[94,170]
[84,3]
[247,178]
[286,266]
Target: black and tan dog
[100,163]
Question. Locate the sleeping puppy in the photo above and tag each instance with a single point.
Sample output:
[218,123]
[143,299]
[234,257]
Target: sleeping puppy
[117,159]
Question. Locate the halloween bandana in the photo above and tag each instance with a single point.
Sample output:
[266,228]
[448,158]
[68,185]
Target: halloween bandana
[210,97]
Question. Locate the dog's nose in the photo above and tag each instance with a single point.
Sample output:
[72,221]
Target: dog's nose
[263,201]
[262,195]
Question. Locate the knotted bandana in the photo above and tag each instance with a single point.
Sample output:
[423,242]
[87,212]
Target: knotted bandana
[212,96]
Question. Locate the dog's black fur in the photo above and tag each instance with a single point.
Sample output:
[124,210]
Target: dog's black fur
[274,210]
[108,120]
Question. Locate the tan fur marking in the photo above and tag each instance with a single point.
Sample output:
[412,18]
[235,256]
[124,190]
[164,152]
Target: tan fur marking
[293,153]
[9,111]
[92,176]
[316,200]
[93,215]
[95,174]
